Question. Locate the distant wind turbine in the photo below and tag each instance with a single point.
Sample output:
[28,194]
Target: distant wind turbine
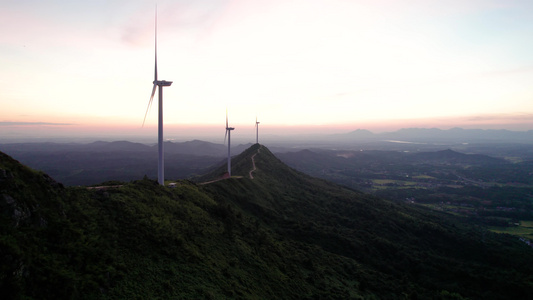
[228,135]
[256,131]
[160,84]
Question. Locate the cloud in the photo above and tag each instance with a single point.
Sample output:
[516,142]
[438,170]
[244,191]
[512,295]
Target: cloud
[33,124]
[517,117]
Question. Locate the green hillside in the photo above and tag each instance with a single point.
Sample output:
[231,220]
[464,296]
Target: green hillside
[280,235]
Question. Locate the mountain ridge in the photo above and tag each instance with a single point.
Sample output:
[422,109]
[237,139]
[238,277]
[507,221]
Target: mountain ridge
[282,235]
[455,134]
[194,147]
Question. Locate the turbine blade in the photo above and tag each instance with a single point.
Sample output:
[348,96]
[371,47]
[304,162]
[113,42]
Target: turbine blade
[149,103]
[225,136]
[155,70]
[226,119]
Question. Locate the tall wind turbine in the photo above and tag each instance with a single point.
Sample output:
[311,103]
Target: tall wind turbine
[228,135]
[160,84]
[256,131]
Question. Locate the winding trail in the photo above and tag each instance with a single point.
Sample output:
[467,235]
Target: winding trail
[208,182]
[249,173]
[254,168]
[253,163]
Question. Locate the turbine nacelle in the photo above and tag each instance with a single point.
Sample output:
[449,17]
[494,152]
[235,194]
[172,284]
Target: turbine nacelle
[228,129]
[162,82]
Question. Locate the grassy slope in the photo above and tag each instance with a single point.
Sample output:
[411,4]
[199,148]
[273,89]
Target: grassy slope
[401,244]
[280,235]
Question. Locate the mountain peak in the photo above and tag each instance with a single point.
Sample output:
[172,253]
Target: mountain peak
[361,132]
[257,161]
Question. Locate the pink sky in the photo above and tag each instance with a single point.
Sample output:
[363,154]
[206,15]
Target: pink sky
[328,66]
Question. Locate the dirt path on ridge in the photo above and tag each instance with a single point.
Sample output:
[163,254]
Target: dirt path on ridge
[249,173]
[253,163]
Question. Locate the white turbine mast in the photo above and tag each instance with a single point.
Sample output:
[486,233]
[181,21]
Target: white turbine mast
[160,84]
[256,131]
[228,135]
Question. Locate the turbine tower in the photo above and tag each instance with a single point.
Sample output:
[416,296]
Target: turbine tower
[228,135]
[256,131]
[160,84]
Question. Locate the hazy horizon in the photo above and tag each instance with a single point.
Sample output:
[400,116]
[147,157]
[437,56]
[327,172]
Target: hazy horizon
[182,133]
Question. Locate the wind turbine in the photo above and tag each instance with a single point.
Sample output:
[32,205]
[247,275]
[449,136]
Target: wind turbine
[256,131]
[228,135]
[160,84]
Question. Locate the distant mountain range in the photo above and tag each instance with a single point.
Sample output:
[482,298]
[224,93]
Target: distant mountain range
[433,135]
[194,147]
[85,164]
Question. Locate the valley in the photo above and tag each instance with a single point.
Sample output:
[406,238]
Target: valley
[487,191]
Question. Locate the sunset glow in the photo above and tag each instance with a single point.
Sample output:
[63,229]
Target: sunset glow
[87,67]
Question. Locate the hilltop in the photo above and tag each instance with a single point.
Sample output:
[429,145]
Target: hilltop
[281,235]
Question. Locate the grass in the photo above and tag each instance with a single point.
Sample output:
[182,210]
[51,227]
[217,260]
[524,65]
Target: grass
[528,224]
[423,177]
[524,230]
[380,184]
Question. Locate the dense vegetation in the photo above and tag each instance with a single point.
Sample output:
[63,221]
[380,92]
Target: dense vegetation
[280,235]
